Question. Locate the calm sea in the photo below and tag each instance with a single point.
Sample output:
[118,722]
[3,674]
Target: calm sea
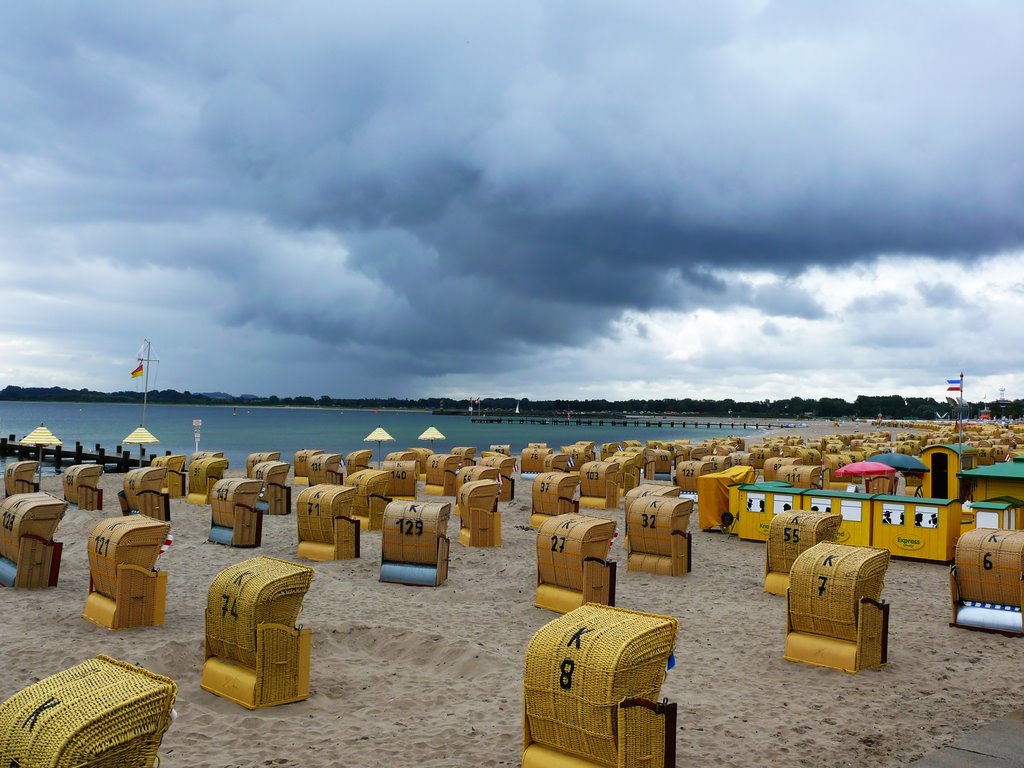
[241,431]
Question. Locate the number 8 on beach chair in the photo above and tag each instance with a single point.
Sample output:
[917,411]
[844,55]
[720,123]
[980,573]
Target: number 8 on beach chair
[591,691]
[414,543]
[29,557]
[572,564]
[102,713]
[124,589]
[255,655]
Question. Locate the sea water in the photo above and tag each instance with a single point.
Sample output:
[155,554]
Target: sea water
[239,430]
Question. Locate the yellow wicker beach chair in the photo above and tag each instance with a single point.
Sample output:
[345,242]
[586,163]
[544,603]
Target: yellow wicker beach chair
[687,473]
[82,486]
[467,455]
[789,534]
[258,458]
[599,485]
[441,470]
[531,461]
[648,489]
[20,477]
[572,564]
[506,466]
[125,590]
[553,493]
[402,478]
[630,466]
[276,495]
[255,655]
[326,469]
[472,473]
[659,463]
[406,455]
[657,539]
[300,463]
[414,543]
[558,462]
[504,449]
[356,461]
[144,493]
[203,473]
[480,520]
[834,614]
[422,454]
[986,581]
[174,483]
[371,497]
[102,713]
[592,691]
[235,519]
[29,557]
[327,528]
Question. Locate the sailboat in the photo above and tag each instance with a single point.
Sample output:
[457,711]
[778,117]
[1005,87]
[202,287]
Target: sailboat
[517,405]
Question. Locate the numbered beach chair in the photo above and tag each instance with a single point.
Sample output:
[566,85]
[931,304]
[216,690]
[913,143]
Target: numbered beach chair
[475,472]
[414,543]
[276,495]
[82,486]
[371,497]
[659,464]
[359,460]
[834,614]
[480,520]
[326,469]
[235,520]
[648,489]
[599,485]
[203,474]
[327,528]
[441,471]
[506,466]
[144,493]
[592,691]
[174,482]
[300,463]
[422,454]
[657,539]
[20,477]
[790,534]
[505,449]
[258,458]
[572,564]
[630,466]
[986,581]
[125,589]
[102,713]
[29,557]
[255,655]
[531,461]
[402,478]
[553,493]
[467,455]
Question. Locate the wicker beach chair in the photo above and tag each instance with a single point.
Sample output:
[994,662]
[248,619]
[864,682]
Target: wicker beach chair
[235,519]
[82,486]
[326,469]
[102,713]
[203,474]
[144,493]
[480,520]
[506,466]
[300,464]
[414,543]
[422,454]
[558,462]
[986,581]
[29,557]
[402,478]
[276,495]
[258,458]
[473,473]
[834,614]
[592,691]
[441,471]
[328,530]
[657,539]
[174,483]
[599,485]
[356,461]
[790,534]
[255,655]
[630,469]
[553,493]
[531,460]
[20,477]
[371,497]
[572,564]
[125,590]
[467,455]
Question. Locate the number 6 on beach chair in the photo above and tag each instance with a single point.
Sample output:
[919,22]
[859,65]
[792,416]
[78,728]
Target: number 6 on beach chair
[591,691]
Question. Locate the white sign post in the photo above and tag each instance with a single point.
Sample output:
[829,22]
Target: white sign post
[196,424]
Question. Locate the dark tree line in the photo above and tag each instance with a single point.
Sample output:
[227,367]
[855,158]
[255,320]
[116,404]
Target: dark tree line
[788,409]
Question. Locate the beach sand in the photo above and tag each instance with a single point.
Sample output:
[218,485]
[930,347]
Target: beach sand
[433,677]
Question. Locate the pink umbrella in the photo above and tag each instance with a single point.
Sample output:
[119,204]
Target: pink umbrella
[864,469]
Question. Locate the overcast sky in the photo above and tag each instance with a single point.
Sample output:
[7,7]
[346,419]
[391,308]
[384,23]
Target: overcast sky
[574,199]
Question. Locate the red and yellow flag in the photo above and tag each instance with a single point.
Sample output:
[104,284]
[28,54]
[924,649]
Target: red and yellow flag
[138,371]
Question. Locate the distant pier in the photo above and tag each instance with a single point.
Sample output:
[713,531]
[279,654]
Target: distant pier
[602,422]
[118,460]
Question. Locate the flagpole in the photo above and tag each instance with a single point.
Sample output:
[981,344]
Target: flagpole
[145,386]
[961,446]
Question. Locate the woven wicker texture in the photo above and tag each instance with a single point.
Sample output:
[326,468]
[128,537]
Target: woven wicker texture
[648,489]
[989,566]
[660,460]
[271,472]
[371,496]
[102,713]
[475,472]
[466,454]
[506,466]
[402,477]
[142,483]
[554,493]
[826,584]
[801,476]
[532,458]
[258,458]
[28,514]
[232,492]
[558,462]
[132,540]
[719,463]
[300,461]
[80,476]
[205,455]
[174,463]
[599,480]
[422,454]
[687,473]
[412,529]
[325,469]
[651,522]
[261,590]
[792,533]
[204,472]
[630,465]
[20,477]
[407,455]
[504,449]
[564,541]
[359,460]
[579,454]
[318,506]
[441,470]
[578,669]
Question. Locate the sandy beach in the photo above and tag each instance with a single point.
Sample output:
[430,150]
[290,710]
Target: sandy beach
[433,677]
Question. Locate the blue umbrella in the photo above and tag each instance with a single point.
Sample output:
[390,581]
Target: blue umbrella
[900,461]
